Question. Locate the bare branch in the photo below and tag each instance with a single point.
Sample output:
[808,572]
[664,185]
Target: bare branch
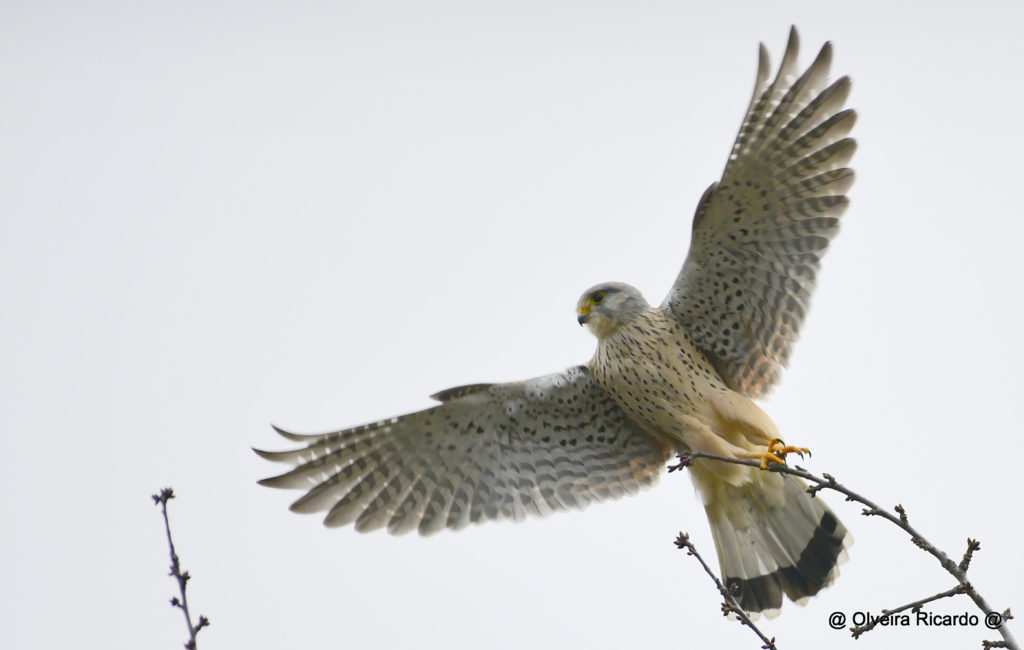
[900,519]
[730,606]
[915,606]
[182,577]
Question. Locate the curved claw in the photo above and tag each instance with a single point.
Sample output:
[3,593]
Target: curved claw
[778,446]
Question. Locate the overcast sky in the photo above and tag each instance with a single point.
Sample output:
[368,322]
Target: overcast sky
[219,215]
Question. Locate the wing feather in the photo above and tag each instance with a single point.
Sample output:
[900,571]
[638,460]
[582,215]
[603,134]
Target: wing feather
[759,234]
[488,451]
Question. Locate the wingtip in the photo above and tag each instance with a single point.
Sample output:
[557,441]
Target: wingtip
[764,65]
[266,482]
[789,55]
[839,91]
[266,455]
[300,507]
[794,38]
[288,435]
[825,54]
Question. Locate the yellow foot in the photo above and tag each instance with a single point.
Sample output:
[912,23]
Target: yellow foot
[766,457]
[777,446]
[776,453]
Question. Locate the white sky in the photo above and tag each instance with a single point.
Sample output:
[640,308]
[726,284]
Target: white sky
[218,215]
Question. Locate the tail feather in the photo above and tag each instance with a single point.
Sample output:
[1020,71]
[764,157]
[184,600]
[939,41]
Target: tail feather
[773,538]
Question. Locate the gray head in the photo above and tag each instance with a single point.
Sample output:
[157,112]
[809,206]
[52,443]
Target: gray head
[606,307]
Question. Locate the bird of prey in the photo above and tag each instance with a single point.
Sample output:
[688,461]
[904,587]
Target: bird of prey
[664,379]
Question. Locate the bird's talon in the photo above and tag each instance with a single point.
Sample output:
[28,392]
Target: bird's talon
[767,457]
[777,446]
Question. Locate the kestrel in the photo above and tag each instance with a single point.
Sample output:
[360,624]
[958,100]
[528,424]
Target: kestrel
[677,377]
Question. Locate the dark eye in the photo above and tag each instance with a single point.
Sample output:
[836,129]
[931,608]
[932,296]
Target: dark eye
[597,297]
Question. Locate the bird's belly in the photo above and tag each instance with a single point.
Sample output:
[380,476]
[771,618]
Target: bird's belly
[655,385]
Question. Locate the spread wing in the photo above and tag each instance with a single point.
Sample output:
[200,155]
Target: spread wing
[760,233]
[488,451]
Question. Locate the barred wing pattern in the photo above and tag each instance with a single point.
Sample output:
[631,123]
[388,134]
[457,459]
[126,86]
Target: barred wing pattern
[760,233]
[487,452]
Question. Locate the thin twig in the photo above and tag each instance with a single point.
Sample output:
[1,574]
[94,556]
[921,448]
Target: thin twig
[916,605]
[972,546]
[730,605]
[182,577]
[900,519]
[963,588]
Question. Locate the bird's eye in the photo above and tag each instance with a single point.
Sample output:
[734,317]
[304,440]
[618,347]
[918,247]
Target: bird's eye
[597,297]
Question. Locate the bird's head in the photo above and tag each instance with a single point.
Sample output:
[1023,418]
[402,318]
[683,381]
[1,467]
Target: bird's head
[604,308]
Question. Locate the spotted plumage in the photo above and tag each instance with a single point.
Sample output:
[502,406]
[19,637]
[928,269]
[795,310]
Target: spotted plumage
[487,452]
[680,376]
[759,233]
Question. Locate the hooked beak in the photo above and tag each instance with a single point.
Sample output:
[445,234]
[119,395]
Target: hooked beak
[583,315]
